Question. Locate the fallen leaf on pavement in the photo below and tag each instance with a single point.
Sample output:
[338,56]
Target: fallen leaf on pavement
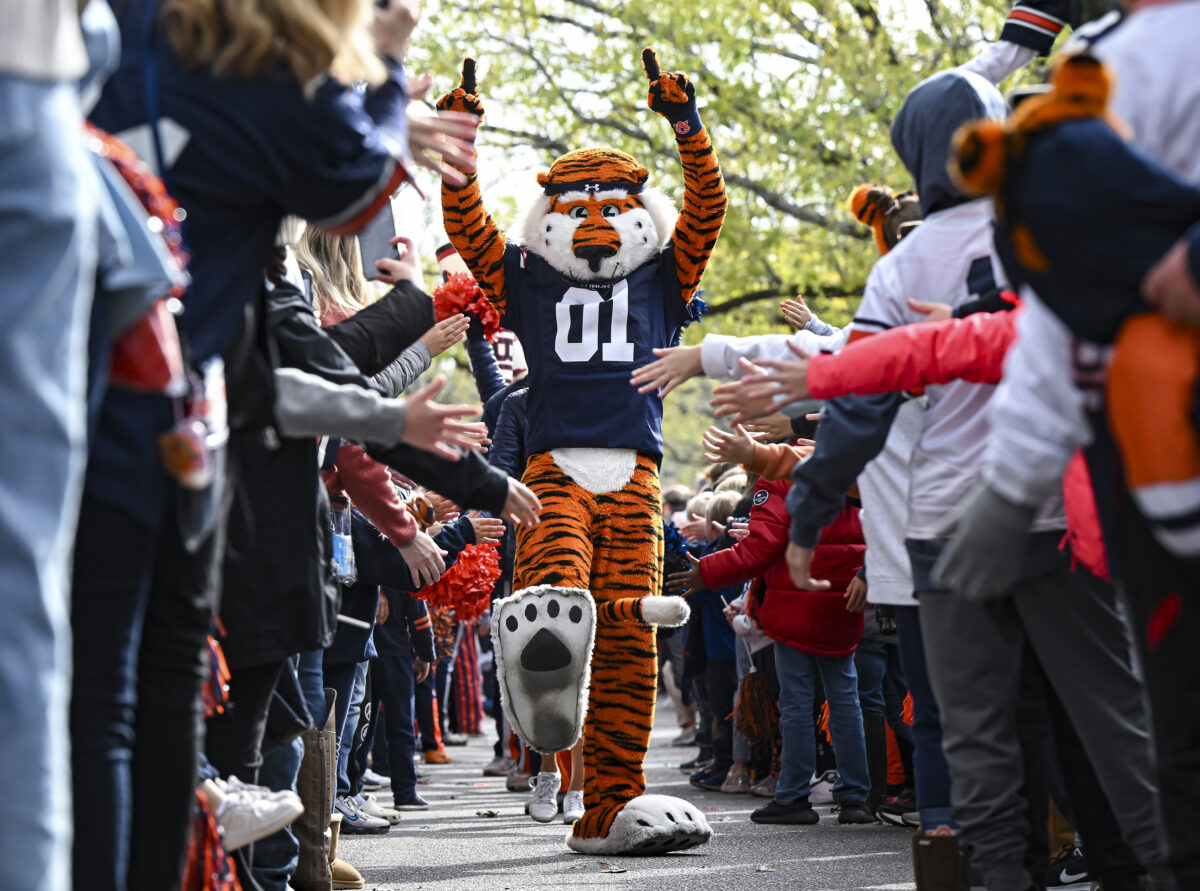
[608,867]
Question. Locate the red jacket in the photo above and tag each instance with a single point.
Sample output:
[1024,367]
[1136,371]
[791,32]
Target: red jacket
[813,621]
[970,349]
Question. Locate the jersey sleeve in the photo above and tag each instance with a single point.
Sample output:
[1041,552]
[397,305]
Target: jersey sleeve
[883,305]
[343,161]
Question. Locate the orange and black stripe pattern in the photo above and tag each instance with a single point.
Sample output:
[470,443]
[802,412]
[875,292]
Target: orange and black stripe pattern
[476,237]
[704,203]
[609,544]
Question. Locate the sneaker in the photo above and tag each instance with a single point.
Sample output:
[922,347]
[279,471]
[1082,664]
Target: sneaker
[1067,869]
[517,780]
[712,779]
[356,821]
[765,788]
[572,807]
[820,790]
[737,782]
[900,811]
[854,812]
[437,756]
[499,766]
[543,807]
[687,735]
[246,816]
[799,812]
[413,802]
[372,807]
[345,876]
[454,739]
[697,763]
[234,786]
[373,782]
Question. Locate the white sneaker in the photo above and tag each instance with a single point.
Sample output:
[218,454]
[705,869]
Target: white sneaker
[234,786]
[355,820]
[821,788]
[572,807]
[372,807]
[543,807]
[373,782]
[246,816]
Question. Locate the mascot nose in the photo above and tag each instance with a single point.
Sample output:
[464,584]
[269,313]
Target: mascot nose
[594,253]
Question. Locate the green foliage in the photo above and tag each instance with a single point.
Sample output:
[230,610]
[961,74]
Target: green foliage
[797,96]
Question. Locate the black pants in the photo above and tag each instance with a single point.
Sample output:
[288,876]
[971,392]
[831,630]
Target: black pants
[234,744]
[720,678]
[141,610]
[397,686]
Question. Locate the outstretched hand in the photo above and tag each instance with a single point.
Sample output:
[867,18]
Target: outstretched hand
[687,581]
[436,428]
[720,445]
[765,386]
[673,366]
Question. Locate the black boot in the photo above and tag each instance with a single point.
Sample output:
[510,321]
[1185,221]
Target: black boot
[938,864]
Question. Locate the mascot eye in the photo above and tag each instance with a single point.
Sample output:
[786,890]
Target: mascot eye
[578,212]
[609,210]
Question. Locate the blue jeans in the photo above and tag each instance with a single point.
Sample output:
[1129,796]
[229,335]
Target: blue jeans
[48,230]
[929,764]
[346,734]
[798,672]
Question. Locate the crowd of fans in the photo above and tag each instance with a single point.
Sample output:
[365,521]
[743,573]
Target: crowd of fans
[942,571]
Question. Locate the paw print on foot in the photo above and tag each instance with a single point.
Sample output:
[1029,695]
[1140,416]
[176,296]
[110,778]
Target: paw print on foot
[543,637]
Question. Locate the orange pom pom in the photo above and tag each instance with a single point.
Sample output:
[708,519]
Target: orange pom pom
[466,587]
[462,294]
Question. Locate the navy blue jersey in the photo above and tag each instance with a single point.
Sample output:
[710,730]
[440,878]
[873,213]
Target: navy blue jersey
[582,342]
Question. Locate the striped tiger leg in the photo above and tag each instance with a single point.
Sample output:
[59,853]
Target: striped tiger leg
[625,568]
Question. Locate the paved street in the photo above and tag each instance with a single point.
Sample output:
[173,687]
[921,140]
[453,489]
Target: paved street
[476,837]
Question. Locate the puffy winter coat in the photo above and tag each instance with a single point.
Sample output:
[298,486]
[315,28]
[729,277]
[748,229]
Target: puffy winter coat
[813,621]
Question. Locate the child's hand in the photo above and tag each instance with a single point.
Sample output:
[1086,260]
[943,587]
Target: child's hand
[488,530]
[673,366]
[695,528]
[687,581]
[722,446]
[739,529]
[933,312]
[732,611]
[773,427]
[445,334]
[796,312]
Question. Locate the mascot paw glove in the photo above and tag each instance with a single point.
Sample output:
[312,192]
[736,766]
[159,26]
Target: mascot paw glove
[672,95]
[464,97]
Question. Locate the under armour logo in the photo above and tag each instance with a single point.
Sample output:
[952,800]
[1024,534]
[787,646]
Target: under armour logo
[591,188]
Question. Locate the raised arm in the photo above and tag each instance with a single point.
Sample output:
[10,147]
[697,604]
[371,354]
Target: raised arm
[673,96]
[468,225]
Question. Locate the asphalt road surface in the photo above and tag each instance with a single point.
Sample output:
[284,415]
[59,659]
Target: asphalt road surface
[476,837]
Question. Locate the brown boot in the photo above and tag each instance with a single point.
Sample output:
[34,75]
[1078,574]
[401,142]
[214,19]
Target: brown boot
[437,756]
[938,864]
[345,876]
[316,784]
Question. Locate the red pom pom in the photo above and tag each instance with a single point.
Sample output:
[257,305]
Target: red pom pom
[460,293]
[466,587]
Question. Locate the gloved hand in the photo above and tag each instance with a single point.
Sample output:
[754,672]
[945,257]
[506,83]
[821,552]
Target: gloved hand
[987,535]
[672,95]
[465,97]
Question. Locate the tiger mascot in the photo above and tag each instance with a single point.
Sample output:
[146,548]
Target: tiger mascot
[605,270]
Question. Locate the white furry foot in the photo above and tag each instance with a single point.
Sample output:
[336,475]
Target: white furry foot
[670,612]
[543,636]
[649,824]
